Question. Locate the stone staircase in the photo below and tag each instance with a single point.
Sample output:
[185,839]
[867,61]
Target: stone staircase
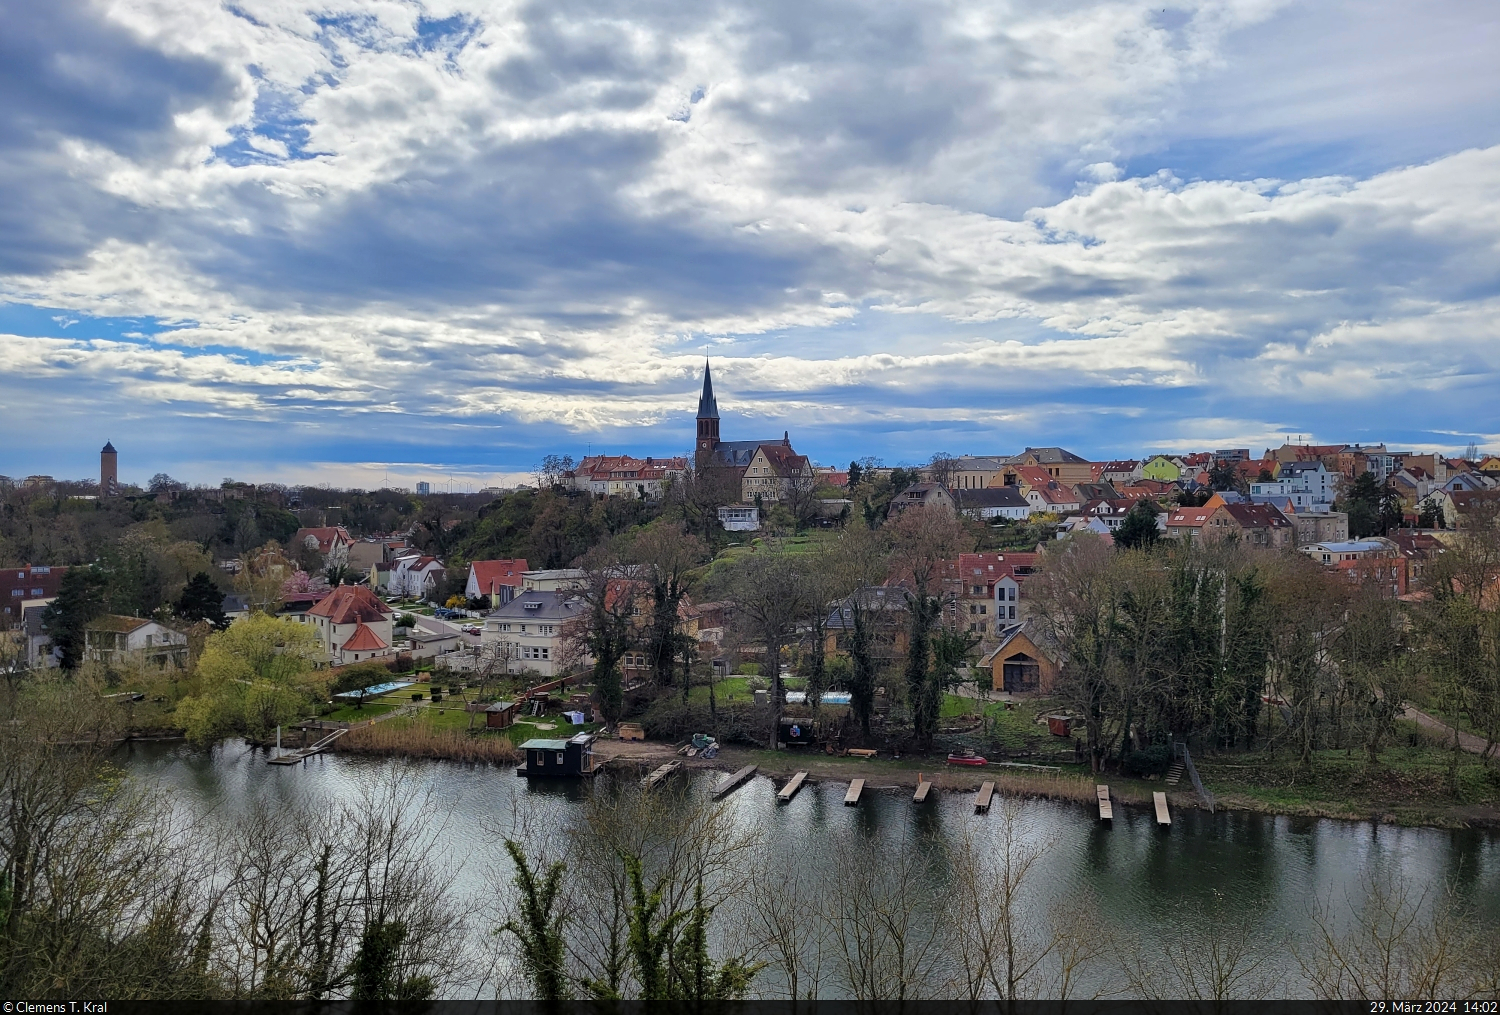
[1175,773]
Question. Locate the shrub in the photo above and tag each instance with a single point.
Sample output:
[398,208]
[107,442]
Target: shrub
[1152,761]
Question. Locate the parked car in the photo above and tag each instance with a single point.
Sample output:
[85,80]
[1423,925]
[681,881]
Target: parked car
[472,629]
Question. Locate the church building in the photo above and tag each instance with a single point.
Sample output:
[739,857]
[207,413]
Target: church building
[768,469]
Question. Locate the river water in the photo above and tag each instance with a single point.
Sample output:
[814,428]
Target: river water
[1144,881]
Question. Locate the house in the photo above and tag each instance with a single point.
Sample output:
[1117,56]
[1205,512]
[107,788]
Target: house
[1490,466]
[562,579]
[33,636]
[626,476]
[429,644]
[1418,548]
[983,590]
[331,542]
[1059,464]
[928,495]
[235,607]
[1188,522]
[969,472]
[775,472]
[1109,512]
[740,517]
[417,576]
[990,503]
[1119,471]
[353,625]
[495,580]
[372,550]
[530,632]
[1413,485]
[1315,526]
[883,608]
[379,578]
[22,585]
[1019,664]
[1162,469]
[134,643]
[572,757]
[1055,498]
[1389,576]
[1260,526]
[1308,485]
[1465,508]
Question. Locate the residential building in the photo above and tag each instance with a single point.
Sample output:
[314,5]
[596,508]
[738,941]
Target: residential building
[1055,498]
[775,472]
[1110,513]
[22,585]
[1465,508]
[1308,485]
[1120,471]
[1389,576]
[33,636]
[134,643]
[424,489]
[882,610]
[1162,469]
[495,580]
[626,476]
[983,591]
[563,579]
[969,472]
[995,502]
[1188,522]
[532,630]
[1355,549]
[418,576]
[1020,664]
[1419,548]
[1059,463]
[740,518]
[332,542]
[1490,466]
[353,625]
[1259,526]
[929,495]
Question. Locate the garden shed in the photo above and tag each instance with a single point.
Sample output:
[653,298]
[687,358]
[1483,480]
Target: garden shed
[500,715]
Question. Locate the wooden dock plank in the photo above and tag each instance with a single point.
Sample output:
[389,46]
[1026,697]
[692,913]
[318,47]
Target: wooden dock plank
[855,789]
[921,793]
[733,781]
[660,774]
[1163,816]
[1106,810]
[982,798]
[790,789]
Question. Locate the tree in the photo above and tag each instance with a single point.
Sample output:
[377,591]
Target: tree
[664,555]
[202,600]
[941,467]
[1138,530]
[252,677]
[856,473]
[1363,502]
[1224,476]
[162,483]
[608,628]
[924,539]
[539,928]
[549,472]
[80,600]
[770,592]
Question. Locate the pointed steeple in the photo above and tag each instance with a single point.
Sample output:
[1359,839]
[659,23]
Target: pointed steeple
[707,407]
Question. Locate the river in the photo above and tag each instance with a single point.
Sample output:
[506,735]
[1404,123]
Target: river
[1148,882]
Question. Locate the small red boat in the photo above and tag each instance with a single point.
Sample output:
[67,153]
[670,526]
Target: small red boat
[967,758]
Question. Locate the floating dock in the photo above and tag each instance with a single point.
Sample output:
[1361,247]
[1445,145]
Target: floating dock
[982,798]
[923,786]
[790,789]
[734,781]
[1163,816]
[855,789]
[660,774]
[1106,811]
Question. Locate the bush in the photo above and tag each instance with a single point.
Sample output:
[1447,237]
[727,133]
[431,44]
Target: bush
[667,718]
[1152,761]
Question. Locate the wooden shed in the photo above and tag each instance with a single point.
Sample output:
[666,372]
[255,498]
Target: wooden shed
[500,715]
[569,758]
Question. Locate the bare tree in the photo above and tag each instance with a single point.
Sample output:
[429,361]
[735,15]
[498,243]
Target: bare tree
[771,594]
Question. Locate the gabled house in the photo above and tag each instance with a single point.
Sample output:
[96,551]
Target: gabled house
[884,609]
[495,580]
[532,630]
[134,643]
[332,543]
[932,495]
[1162,469]
[983,591]
[970,472]
[1059,464]
[776,471]
[1119,471]
[1055,498]
[1260,526]
[353,625]
[418,576]
[993,502]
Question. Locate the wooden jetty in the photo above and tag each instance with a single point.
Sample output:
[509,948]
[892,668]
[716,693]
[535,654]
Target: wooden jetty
[855,789]
[790,789]
[923,785]
[660,774]
[734,781]
[982,798]
[302,754]
[1163,816]
[1106,810]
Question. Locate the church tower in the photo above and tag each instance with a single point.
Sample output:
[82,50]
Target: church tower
[708,416]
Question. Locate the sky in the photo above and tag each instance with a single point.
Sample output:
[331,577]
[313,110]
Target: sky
[361,243]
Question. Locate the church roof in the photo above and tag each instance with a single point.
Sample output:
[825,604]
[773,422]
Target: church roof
[707,407]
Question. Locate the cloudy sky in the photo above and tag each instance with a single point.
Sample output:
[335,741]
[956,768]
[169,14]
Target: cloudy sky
[349,241]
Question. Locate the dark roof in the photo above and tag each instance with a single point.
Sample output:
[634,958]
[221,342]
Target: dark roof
[876,599]
[500,706]
[708,408]
[991,497]
[1051,456]
[540,606]
[738,453]
[235,604]
[108,449]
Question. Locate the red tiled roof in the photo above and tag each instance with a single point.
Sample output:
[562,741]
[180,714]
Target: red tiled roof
[364,640]
[351,604]
[326,536]
[1191,517]
[1257,516]
[493,573]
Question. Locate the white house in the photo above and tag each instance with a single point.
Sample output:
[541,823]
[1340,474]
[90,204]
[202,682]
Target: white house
[134,642]
[353,625]
[740,517]
[531,630]
[1308,485]
[993,502]
[415,576]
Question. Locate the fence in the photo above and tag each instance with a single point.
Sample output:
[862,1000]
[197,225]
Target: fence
[1192,770]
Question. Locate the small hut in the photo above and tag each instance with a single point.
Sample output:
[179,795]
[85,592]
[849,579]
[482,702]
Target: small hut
[499,715]
[569,758]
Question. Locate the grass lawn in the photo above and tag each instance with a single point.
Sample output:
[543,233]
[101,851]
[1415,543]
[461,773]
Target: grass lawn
[350,713]
[729,689]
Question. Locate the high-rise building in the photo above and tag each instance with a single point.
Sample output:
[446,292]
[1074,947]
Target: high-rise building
[109,471]
[423,489]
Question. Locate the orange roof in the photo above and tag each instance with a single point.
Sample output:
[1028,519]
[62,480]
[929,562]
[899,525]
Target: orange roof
[493,573]
[351,604]
[1192,517]
[364,640]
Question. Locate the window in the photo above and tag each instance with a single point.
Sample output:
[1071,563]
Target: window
[37,592]
[559,757]
[541,758]
[18,592]
[1012,613]
[982,609]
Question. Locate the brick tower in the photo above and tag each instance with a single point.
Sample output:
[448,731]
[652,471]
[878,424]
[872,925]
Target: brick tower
[109,472]
[708,417]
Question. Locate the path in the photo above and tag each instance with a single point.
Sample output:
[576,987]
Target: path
[1468,741]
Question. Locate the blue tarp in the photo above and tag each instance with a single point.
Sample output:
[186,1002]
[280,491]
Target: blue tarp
[371,692]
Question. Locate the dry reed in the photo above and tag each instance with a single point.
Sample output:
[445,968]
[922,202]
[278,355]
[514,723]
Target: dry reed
[414,740]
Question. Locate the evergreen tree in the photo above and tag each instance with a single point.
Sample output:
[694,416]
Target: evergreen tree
[202,600]
[1138,531]
[80,599]
[855,474]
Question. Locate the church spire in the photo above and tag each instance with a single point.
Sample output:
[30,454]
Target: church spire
[707,407]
